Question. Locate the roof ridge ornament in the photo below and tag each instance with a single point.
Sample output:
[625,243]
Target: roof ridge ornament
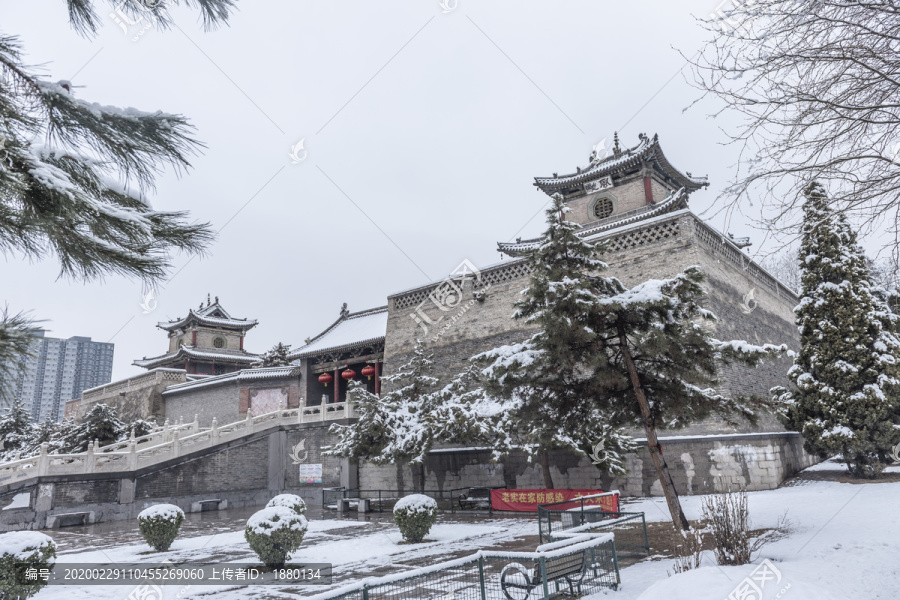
[617,150]
[345,312]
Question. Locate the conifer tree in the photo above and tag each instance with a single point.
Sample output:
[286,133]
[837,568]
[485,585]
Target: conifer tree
[398,427]
[641,357]
[276,357]
[545,383]
[846,398]
[16,428]
[101,423]
[74,174]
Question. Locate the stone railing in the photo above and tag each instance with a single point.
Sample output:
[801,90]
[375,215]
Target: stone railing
[170,442]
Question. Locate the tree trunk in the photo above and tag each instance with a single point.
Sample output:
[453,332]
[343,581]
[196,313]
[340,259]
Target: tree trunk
[659,461]
[545,467]
[421,471]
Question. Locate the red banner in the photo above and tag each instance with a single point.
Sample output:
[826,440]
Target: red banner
[528,500]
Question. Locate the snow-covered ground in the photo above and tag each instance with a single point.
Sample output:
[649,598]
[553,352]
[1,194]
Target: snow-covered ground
[845,543]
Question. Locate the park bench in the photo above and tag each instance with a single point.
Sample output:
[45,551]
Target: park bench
[206,505]
[475,498]
[517,582]
[345,504]
[69,519]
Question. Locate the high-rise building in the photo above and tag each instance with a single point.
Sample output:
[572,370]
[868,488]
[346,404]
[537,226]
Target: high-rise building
[60,370]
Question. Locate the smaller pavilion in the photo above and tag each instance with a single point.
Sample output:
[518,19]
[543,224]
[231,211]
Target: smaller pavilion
[208,341]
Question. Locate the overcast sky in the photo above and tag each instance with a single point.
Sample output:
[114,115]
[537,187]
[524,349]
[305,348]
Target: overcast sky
[423,131]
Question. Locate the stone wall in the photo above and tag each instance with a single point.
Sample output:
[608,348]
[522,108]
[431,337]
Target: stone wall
[220,402]
[698,464]
[245,472]
[138,397]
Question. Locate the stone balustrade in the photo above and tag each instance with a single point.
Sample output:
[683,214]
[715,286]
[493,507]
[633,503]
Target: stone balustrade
[169,442]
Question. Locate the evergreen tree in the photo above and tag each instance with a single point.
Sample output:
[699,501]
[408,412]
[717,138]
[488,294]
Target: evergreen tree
[662,364]
[846,398]
[74,174]
[16,428]
[398,427]
[16,336]
[546,383]
[100,423]
[276,357]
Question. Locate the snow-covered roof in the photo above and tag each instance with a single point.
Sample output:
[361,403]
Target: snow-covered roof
[647,151]
[212,314]
[674,201]
[187,352]
[242,375]
[349,331]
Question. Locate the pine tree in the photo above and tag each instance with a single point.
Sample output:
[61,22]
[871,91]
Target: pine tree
[16,336]
[74,175]
[846,373]
[16,428]
[101,423]
[663,363]
[545,384]
[276,357]
[398,427]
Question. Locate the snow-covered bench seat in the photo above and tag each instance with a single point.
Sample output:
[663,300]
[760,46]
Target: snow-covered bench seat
[211,504]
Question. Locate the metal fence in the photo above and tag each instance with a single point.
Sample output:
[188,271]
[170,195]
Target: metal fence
[579,566]
[556,522]
[384,500]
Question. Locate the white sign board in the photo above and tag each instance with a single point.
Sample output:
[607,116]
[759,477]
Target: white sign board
[311,473]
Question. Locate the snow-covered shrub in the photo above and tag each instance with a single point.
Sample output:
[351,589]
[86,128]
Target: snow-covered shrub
[291,501]
[20,551]
[414,515]
[159,525]
[274,532]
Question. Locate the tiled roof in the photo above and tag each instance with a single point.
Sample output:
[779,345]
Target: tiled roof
[673,201]
[352,330]
[213,315]
[648,150]
[184,351]
[242,375]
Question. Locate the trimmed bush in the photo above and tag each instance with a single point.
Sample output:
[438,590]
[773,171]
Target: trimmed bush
[291,501]
[414,515]
[273,533]
[20,551]
[159,525]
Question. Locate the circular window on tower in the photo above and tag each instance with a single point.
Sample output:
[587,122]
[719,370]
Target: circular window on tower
[603,207]
[179,343]
[219,342]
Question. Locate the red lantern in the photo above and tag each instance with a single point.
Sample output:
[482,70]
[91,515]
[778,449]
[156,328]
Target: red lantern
[348,374]
[326,378]
[368,371]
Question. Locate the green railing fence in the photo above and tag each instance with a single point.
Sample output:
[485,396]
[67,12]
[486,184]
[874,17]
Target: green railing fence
[582,565]
[559,520]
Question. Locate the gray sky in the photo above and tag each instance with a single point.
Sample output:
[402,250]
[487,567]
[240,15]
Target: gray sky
[430,124]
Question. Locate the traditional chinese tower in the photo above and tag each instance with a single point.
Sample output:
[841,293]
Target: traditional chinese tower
[208,341]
